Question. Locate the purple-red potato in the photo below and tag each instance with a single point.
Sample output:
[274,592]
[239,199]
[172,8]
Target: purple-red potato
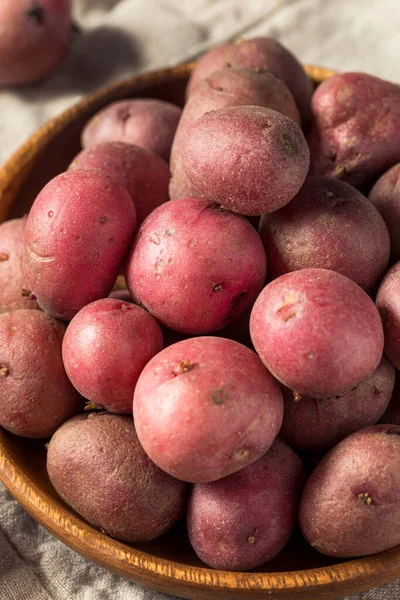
[205,408]
[319,424]
[194,266]
[13,294]
[106,347]
[356,118]
[328,225]
[243,520]
[385,195]
[261,53]
[34,39]
[351,503]
[36,395]
[250,159]
[97,465]
[144,174]
[144,122]
[388,303]
[392,414]
[317,332]
[222,89]
[77,236]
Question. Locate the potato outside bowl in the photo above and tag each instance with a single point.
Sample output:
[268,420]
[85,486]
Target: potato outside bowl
[167,564]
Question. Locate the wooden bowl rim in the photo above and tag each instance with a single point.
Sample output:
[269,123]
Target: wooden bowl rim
[73,530]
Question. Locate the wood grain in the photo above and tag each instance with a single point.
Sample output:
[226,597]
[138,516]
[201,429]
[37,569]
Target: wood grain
[167,564]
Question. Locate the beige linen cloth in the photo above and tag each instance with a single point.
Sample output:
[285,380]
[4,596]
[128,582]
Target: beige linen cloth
[117,38]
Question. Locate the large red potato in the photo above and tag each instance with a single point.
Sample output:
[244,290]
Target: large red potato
[351,503]
[243,520]
[36,395]
[194,266]
[317,332]
[206,407]
[34,38]
[97,465]
[106,347]
[77,236]
[385,195]
[250,159]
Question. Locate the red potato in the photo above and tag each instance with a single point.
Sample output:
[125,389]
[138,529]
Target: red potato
[250,159]
[354,137]
[351,503]
[261,53]
[195,267]
[12,285]
[106,347]
[392,414]
[328,225]
[97,465]
[144,174]
[222,89]
[385,195]
[318,424]
[144,122]
[76,238]
[36,395]
[243,520]
[388,303]
[199,416]
[317,332]
[34,39]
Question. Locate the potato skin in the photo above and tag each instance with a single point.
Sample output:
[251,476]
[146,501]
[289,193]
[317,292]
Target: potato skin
[34,39]
[385,195]
[97,465]
[199,416]
[144,174]
[106,347]
[317,332]
[12,267]
[249,159]
[319,424]
[354,137]
[74,246]
[388,303]
[350,505]
[195,267]
[144,122]
[243,520]
[36,395]
[328,225]
[261,53]
[225,88]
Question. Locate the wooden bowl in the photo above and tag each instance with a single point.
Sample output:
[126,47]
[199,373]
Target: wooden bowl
[167,564]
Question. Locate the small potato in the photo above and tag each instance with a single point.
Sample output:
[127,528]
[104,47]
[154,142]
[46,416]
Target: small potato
[205,408]
[144,174]
[98,467]
[36,395]
[250,159]
[106,347]
[388,303]
[194,266]
[222,89]
[351,503]
[328,225]
[12,285]
[145,122]
[319,424]
[77,236]
[243,520]
[34,39]
[356,118]
[385,195]
[261,53]
[392,414]
[317,332]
